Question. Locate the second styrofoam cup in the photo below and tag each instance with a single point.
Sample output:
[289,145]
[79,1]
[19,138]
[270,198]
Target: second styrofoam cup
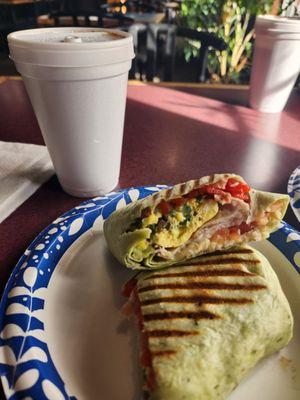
[276,62]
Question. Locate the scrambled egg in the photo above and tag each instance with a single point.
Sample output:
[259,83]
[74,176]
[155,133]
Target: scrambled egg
[177,234]
[152,219]
[142,245]
[180,224]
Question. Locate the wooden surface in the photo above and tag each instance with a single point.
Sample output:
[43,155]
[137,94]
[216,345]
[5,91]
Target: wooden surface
[233,94]
[17,2]
[145,18]
[170,136]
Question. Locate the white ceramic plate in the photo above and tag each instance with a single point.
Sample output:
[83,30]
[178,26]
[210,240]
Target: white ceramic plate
[63,335]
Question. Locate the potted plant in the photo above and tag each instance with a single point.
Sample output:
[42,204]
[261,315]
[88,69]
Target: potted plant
[234,22]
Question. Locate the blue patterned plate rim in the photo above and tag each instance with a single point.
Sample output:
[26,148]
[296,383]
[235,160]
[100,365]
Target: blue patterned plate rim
[293,190]
[26,367]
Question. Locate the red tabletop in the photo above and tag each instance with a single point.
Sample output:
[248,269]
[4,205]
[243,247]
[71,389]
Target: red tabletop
[170,136]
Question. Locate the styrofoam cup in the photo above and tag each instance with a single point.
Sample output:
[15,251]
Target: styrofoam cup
[76,79]
[276,62]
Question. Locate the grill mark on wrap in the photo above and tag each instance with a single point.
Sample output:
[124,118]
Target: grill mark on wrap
[155,196]
[167,315]
[197,300]
[222,272]
[203,285]
[219,261]
[168,193]
[158,333]
[229,252]
[214,261]
[182,189]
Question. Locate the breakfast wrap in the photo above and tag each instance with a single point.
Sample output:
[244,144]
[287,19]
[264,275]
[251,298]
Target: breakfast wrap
[190,219]
[204,325]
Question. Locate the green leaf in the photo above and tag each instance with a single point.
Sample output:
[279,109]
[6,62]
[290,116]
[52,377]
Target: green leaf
[212,16]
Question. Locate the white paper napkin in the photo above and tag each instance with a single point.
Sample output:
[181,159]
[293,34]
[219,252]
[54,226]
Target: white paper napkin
[23,169]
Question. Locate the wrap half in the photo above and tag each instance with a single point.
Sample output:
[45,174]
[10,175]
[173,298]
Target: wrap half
[205,325]
[190,219]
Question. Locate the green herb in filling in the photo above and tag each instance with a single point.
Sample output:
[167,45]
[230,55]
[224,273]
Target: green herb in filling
[187,212]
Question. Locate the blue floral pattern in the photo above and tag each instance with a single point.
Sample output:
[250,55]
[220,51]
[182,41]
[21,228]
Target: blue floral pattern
[294,191]
[26,367]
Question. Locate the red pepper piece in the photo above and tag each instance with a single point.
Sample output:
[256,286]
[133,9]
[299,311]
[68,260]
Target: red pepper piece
[179,201]
[237,189]
[192,194]
[234,229]
[244,228]
[164,207]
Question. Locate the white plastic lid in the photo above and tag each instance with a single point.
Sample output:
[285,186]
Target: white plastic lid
[273,23]
[70,47]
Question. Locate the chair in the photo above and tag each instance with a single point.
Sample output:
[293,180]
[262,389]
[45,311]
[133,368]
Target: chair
[139,34]
[10,21]
[139,6]
[80,5]
[90,18]
[84,13]
[136,29]
[171,10]
[207,40]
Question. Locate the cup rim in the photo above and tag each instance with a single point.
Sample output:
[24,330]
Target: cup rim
[267,19]
[277,25]
[20,39]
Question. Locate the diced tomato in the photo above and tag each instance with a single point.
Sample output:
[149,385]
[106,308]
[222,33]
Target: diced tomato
[234,229]
[145,354]
[223,232]
[244,228]
[238,189]
[233,232]
[130,289]
[219,236]
[129,286]
[233,187]
[214,188]
[192,194]
[164,207]
[179,201]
